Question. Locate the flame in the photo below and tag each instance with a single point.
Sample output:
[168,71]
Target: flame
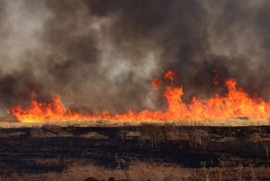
[236,103]
[155,84]
[170,75]
[39,112]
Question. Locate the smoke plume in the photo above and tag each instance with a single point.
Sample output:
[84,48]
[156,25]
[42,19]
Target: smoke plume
[101,55]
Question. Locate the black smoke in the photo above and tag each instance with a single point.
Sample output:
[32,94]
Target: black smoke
[101,55]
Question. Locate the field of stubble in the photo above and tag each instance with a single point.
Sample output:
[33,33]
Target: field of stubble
[100,149]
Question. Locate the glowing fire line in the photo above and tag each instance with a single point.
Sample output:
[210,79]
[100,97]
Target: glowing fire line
[236,103]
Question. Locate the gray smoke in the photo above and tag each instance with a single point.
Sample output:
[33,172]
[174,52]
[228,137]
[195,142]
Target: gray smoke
[101,55]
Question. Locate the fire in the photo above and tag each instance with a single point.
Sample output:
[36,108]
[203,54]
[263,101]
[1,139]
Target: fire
[170,75]
[155,84]
[39,112]
[236,103]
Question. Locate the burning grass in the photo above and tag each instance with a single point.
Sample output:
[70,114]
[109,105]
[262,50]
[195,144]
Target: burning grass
[235,103]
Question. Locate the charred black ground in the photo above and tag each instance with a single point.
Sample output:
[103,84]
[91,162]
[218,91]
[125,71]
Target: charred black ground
[102,54]
[55,148]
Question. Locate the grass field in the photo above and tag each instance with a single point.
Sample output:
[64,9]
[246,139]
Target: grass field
[140,171]
[10,122]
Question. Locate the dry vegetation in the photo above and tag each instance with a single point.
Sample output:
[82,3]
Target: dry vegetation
[140,171]
[228,141]
[10,122]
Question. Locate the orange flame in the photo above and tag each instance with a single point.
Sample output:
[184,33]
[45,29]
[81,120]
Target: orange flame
[170,75]
[236,103]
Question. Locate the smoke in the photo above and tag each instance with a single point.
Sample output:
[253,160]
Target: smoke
[101,55]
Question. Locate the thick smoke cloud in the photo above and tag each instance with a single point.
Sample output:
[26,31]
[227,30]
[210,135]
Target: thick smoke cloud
[101,55]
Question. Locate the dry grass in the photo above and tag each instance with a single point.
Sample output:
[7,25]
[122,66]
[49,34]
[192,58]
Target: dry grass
[140,171]
[110,123]
[137,172]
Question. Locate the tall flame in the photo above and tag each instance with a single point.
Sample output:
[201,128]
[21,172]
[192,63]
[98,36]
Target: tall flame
[236,103]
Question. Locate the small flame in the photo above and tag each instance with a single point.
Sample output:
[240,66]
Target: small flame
[156,84]
[236,103]
[170,75]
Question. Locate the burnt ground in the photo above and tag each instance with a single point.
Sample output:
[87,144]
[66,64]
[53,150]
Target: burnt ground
[42,150]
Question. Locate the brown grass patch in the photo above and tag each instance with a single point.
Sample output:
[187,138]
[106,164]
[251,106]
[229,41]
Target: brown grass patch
[9,122]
